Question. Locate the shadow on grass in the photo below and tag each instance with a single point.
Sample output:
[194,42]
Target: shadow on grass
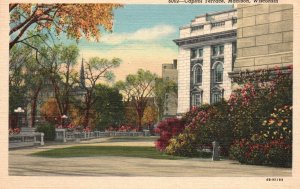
[92,151]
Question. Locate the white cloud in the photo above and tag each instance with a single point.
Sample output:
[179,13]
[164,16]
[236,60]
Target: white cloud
[148,56]
[143,35]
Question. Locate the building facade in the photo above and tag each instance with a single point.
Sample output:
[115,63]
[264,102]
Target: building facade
[207,51]
[169,73]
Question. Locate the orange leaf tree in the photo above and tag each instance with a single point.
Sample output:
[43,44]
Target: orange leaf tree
[76,20]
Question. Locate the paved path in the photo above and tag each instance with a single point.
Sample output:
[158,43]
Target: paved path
[20,164]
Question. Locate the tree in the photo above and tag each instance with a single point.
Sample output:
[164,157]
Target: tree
[137,89]
[63,76]
[26,79]
[50,111]
[150,115]
[76,20]
[162,88]
[108,106]
[17,58]
[96,69]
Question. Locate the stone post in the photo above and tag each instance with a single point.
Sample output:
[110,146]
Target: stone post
[42,139]
[64,136]
[216,151]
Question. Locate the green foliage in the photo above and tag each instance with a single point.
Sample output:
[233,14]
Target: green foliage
[204,125]
[48,130]
[252,104]
[137,89]
[108,106]
[160,90]
[256,122]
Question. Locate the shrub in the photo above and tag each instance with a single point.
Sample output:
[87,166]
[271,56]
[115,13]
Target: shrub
[48,130]
[272,145]
[210,123]
[183,145]
[166,129]
[260,92]
[262,152]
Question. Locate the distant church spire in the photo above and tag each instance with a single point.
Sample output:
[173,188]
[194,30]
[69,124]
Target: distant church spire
[82,78]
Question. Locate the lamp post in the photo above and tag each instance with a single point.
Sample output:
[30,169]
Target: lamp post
[62,119]
[18,111]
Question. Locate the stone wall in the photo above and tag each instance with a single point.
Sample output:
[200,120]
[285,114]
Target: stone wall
[264,36]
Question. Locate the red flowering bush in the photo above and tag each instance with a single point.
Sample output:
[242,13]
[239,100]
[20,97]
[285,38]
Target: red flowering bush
[87,130]
[122,128]
[14,131]
[251,104]
[274,152]
[262,117]
[167,129]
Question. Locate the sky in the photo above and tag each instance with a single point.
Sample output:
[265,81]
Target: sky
[143,36]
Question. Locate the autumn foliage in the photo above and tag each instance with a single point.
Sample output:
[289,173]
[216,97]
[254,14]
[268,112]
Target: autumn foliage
[76,20]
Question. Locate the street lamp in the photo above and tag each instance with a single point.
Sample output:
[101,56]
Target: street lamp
[62,119]
[18,111]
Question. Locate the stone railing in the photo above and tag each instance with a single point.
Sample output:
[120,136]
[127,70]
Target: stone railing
[26,140]
[63,135]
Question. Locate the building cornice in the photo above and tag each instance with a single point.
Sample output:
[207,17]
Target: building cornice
[208,39]
[215,13]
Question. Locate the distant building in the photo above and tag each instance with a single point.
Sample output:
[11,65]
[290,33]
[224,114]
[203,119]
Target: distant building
[169,73]
[207,51]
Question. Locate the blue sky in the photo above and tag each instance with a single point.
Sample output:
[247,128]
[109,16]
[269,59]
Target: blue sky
[142,35]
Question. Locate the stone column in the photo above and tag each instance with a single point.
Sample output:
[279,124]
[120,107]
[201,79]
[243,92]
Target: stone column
[206,76]
[183,80]
[42,139]
[227,68]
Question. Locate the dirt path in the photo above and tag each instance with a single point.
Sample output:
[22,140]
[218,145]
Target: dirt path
[21,164]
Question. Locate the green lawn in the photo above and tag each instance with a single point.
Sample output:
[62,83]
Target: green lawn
[89,151]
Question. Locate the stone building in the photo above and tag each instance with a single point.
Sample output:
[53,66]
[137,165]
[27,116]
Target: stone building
[207,48]
[169,73]
[264,37]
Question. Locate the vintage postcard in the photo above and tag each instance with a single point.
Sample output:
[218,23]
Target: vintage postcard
[153,94]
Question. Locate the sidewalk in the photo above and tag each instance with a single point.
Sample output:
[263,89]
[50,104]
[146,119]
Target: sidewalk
[21,164]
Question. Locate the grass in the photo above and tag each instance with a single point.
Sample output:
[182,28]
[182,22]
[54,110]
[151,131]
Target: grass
[92,151]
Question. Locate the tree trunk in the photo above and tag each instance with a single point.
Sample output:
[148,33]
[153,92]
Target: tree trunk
[87,109]
[34,105]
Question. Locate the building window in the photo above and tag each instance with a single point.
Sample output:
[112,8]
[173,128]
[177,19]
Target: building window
[167,96]
[216,97]
[196,99]
[196,53]
[218,24]
[194,28]
[197,74]
[218,72]
[234,20]
[200,53]
[218,50]
[193,53]
[234,48]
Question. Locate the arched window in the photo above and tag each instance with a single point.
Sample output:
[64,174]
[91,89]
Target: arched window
[197,74]
[218,72]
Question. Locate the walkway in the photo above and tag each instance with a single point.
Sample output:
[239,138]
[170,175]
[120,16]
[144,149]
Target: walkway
[20,164]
